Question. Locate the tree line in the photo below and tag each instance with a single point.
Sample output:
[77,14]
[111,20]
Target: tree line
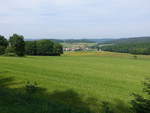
[133,48]
[16,46]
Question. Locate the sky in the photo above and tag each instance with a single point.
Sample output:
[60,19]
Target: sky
[66,19]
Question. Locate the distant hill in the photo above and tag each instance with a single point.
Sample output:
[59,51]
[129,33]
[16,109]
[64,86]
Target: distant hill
[101,40]
[131,40]
[78,40]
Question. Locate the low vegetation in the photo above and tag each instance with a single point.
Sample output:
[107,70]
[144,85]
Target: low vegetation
[141,104]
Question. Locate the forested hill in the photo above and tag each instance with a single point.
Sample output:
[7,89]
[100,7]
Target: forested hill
[114,41]
[139,45]
[131,40]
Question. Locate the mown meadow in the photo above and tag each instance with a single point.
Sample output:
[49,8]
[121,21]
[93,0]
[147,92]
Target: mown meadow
[105,76]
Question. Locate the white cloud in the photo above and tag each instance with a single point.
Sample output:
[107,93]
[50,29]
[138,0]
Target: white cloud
[74,16]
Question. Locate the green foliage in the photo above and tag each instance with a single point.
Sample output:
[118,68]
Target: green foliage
[141,104]
[106,108]
[30,47]
[31,88]
[43,48]
[133,48]
[10,51]
[135,57]
[58,49]
[2,50]
[18,44]
[130,40]
[3,44]
[18,47]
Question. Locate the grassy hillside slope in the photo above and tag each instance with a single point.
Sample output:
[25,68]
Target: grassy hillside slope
[103,77]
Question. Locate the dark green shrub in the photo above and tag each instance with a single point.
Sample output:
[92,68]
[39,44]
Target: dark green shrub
[3,44]
[31,47]
[141,104]
[18,44]
[44,47]
[10,51]
[58,49]
[135,57]
[106,108]
[31,88]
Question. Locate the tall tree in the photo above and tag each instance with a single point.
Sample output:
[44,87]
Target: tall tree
[44,47]
[30,47]
[3,44]
[58,49]
[18,44]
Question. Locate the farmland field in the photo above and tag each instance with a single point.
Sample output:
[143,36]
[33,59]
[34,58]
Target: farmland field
[106,76]
[73,45]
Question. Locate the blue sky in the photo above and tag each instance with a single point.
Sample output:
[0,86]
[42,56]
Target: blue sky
[75,18]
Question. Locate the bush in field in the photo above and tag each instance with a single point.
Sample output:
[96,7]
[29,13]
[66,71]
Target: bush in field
[135,57]
[18,44]
[3,44]
[141,104]
[31,88]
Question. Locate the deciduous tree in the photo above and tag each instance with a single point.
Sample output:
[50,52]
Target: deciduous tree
[18,44]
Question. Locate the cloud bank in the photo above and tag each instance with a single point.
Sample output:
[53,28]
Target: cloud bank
[75,18]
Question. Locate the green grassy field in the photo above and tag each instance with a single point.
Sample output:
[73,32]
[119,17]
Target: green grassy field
[101,75]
